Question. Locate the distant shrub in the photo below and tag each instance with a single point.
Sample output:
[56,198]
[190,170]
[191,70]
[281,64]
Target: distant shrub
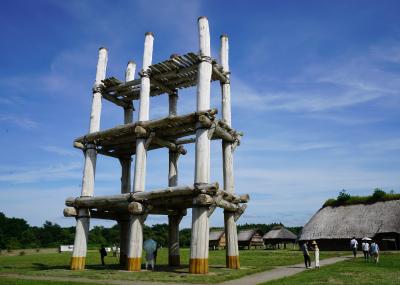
[38,249]
[378,194]
[21,253]
[345,198]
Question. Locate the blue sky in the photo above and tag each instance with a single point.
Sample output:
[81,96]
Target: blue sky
[315,88]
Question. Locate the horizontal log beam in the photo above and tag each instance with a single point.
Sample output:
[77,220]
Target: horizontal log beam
[129,129]
[218,131]
[217,73]
[122,200]
[117,101]
[162,86]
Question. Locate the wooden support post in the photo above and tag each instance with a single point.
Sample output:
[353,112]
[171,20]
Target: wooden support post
[83,220]
[173,220]
[136,221]
[232,249]
[198,263]
[126,172]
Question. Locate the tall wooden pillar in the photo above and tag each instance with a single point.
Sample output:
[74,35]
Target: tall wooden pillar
[232,249]
[89,170]
[173,220]
[126,172]
[136,221]
[200,228]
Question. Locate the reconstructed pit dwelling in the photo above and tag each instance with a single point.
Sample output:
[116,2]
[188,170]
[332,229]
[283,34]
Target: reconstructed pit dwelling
[131,207]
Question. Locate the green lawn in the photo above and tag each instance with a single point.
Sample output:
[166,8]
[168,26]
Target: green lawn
[350,272]
[55,264]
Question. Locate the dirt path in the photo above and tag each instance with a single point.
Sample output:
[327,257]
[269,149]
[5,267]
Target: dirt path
[278,272]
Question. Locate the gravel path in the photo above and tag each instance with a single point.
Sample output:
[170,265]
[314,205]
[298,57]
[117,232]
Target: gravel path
[278,272]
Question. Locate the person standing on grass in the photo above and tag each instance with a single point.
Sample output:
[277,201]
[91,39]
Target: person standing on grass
[374,249]
[103,253]
[353,246]
[316,251]
[365,249]
[307,259]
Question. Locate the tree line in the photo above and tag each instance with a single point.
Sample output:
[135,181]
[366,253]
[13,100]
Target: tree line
[16,233]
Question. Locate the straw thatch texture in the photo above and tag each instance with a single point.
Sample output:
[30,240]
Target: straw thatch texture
[333,227]
[217,239]
[252,237]
[281,234]
[216,235]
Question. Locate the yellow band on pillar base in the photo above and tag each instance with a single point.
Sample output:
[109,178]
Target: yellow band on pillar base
[174,260]
[134,264]
[198,265]
[232,262]
[78,263]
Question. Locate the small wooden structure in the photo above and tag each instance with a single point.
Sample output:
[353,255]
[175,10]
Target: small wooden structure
[278,236]
[131,207]
[217,239]
[249,238]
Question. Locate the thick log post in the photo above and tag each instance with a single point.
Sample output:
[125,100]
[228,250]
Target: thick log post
[232,250]
[83,219]
[173,220]
[126,172]
[136,221]
[200,228]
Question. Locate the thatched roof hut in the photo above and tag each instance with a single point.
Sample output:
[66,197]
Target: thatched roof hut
[251,237]
[217,239]
[333,227]
[278,236]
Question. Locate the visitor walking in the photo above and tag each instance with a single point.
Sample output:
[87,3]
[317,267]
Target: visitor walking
[307,259]
[365,249]
[374,249]
[150,247]
[353,246]
[316,252]
[114,250]
[103,253]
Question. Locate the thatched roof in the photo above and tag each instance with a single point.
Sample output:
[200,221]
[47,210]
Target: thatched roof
[280,234]
[344,222]
[246,235]
[216,234]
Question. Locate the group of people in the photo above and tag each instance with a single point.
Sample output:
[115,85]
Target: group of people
[369,247]
[151,255]
[305,247]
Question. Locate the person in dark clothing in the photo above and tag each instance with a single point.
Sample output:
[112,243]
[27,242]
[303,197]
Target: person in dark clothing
[307,259]
[103,253]
[155,253]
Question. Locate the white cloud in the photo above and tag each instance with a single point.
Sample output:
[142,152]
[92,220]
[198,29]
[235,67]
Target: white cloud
[270,144]
[344,82]
[60,150]
[21,121]
[37,174]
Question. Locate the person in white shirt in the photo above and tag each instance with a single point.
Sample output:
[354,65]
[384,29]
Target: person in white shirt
[353,246]
[365,249]
[316,251]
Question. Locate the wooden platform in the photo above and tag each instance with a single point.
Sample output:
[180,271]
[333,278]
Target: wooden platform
[171,200]
[171,132]
[178,72]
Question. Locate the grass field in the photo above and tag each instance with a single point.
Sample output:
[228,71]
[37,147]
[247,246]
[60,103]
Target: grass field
[350,272]
[55,264]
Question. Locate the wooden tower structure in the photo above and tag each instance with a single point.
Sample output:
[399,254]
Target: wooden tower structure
[131,207]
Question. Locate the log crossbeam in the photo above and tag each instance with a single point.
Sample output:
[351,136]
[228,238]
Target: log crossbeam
[170,132]
[163,201]
[165,77]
